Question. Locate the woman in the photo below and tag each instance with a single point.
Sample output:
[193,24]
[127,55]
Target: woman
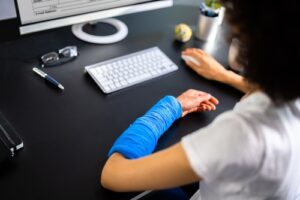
[251,152]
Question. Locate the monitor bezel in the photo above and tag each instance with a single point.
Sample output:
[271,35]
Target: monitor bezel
[90,16]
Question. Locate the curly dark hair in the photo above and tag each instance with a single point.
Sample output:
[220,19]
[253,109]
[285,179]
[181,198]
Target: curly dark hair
[269,32]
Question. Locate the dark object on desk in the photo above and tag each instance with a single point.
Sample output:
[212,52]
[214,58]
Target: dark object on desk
[10,142]
[48,78]
[62,56]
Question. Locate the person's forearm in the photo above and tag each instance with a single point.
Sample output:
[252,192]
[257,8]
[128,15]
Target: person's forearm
[235,80]
[141,137]
[167,168]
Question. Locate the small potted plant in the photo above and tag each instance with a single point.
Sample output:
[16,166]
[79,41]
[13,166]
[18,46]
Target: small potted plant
[211,16]
[214,6]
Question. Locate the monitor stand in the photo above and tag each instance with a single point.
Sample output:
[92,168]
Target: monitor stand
[122,32]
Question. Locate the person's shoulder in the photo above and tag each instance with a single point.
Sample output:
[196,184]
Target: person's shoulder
[232,120]
[257,102]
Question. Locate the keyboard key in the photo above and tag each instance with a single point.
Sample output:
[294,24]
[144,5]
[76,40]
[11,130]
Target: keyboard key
[139,78]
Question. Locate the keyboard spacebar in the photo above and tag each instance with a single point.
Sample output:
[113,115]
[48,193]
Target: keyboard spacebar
[139,78]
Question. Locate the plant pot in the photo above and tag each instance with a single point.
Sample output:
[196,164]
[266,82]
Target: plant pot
[207,27]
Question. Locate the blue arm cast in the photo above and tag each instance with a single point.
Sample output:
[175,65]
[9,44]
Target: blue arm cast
[141,137]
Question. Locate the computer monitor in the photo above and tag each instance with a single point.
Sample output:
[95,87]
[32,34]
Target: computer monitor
[39,15]
[7,10]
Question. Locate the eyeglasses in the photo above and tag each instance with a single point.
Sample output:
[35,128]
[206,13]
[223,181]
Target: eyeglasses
[62,56]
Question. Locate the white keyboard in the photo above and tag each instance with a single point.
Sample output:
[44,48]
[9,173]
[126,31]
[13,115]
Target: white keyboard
[131,69]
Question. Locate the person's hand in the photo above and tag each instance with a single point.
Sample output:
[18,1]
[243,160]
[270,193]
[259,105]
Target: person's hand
[196,101]
[209,68]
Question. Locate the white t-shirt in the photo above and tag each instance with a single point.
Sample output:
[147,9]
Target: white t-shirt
[249,153]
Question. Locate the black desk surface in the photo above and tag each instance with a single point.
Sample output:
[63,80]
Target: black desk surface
[67,134]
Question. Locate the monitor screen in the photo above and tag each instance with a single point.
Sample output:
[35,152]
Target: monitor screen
[40,10]
[7,9]
[37,15]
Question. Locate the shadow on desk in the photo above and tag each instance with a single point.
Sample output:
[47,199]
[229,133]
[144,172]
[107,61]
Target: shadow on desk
[170,194]
[180,193]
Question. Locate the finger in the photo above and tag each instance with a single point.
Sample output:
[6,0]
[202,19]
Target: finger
[201,108]
[198,51]
[208,107]
[187,51]
[199,57]
[214,100]
[193,66]
[201,51]
[211,105]
[190,50]
[195,53]
[204,107]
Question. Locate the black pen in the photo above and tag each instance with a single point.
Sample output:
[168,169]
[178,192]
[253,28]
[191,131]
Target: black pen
[48,78]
